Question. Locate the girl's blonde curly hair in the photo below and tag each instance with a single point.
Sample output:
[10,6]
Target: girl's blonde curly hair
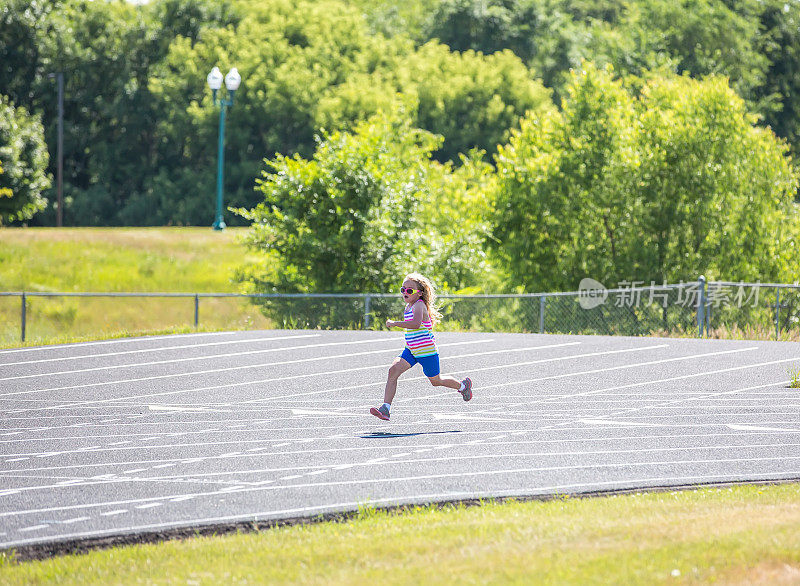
[428,295]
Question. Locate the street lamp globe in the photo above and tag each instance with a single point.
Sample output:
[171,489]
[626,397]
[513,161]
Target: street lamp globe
[232,80]
[215,79]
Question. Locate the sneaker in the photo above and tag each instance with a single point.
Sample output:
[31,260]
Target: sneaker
[467,392]
[381,412]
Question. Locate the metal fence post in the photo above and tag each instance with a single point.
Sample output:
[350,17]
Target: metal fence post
[541,313]
[23,316]
[366,312]
[196,310]
[777,312]
[701,304]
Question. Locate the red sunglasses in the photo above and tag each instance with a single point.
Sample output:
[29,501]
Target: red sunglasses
[409,290]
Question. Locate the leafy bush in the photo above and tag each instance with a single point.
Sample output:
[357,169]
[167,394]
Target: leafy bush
[658,184]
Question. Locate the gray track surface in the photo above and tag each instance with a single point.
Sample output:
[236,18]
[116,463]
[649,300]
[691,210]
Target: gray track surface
[149,434]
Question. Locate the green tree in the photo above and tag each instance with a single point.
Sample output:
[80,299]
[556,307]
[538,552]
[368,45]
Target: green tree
[675,182]
[542,33]
[23,26]
[370,206]
[5,191]
[23,157]
[779,93]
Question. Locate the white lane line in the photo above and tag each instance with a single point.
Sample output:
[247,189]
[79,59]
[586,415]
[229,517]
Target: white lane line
[704,397]
[34,528]
[627,366]
[214,357]
[149,505]
[428,421]
[187,409]
[161,349]
[149,501]
[432,447]
[215,387]
[113,513]
[740,427]
[614,423]
[587,355]
[118,341]
[413,498]
[450,358]
[682,377]
[75,520]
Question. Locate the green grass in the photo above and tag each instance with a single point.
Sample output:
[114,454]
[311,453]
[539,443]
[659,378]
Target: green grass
[740,535]
[119,260]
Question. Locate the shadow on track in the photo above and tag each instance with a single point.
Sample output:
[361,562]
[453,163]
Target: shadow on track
[386,434]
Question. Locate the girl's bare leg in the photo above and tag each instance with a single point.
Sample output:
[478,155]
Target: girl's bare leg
[398,367]
[443,380]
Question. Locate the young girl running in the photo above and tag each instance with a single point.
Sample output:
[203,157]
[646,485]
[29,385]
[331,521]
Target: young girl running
[418,319]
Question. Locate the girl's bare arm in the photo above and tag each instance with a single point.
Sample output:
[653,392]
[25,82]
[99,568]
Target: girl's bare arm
[414,323]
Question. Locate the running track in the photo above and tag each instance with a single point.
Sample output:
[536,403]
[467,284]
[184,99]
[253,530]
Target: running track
[149,434]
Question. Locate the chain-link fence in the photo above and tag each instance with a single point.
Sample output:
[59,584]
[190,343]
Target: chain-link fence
[632,309]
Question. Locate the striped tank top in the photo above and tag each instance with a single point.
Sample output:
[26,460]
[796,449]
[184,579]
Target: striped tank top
[420,342]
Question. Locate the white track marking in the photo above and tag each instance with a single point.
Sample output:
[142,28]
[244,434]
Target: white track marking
[231,385]
[217,356]
[75,520]
[742,427]
[117,341]
[395,480]
[626,366]
[195,373]
[453,358]
[704,397]
[114,513]
[411,498]
[316,470]
[34,528]
[564,397]
[431,447]
[614,423]
[160,349]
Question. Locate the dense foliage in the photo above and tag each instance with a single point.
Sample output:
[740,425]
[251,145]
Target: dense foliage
[23,164]
[662,185]
[369,206]
[489,110]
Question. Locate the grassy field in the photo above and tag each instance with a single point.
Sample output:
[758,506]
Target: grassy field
[176,260]
[740,535]
[119,260]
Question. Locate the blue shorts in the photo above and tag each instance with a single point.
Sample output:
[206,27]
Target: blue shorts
[430,364]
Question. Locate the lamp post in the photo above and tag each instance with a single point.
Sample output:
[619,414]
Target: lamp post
[232,81]
[60,150]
